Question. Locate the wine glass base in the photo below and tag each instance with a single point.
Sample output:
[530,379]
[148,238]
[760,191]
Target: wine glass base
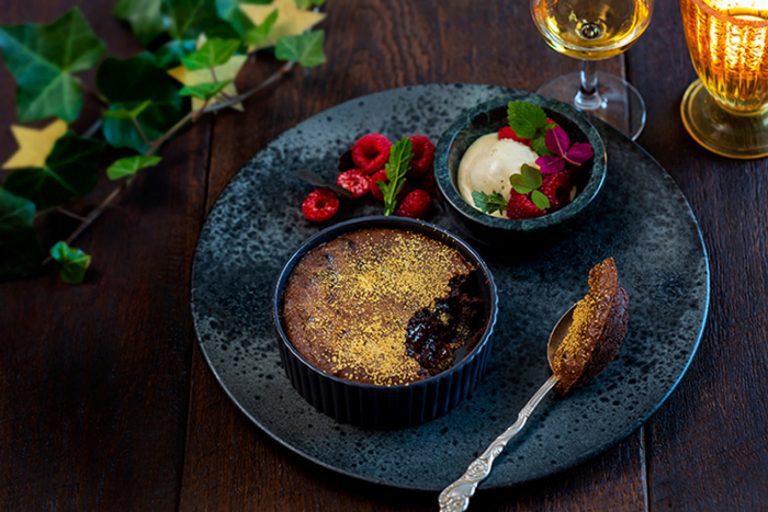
[622,106]
[720,131]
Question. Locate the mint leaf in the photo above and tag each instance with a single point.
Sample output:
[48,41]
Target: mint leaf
[74,262]
[42,59]
[540,200]
[397,167]
[137,86]
[20,253]
[489,203]
[144,17]
[204,91]
[70,171]
[129,166]
[525,119]
[305,49]
[214,52]
[539,145]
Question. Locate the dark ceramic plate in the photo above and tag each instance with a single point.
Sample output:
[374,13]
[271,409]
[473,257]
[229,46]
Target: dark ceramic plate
[641,219]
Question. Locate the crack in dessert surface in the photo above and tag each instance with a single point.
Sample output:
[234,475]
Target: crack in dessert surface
[349,302]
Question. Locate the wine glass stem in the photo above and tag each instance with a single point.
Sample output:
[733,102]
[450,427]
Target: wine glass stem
[588,97]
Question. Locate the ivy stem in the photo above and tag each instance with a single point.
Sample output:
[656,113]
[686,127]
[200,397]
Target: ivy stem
[157,143]
[70,214]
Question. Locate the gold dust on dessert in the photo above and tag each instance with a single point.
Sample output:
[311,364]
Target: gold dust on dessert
[361,301]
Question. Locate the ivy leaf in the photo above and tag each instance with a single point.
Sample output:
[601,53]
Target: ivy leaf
[256,36]
[74,262]
[169,55]
[190,18]
[42,59]
[144,16]
[229,10]
[305,49]
[204,91]
[212,53]
[540,200]
[140,94]
[291,21]
[306,4]
[525,118]
[70,171]
[489,203]
[129,166]
[20,253]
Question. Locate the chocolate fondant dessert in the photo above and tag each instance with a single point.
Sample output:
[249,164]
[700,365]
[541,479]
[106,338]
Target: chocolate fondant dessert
[383,306]
[600,323]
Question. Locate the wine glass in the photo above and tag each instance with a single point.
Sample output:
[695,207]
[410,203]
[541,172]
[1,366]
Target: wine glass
[726,110]
[593,30]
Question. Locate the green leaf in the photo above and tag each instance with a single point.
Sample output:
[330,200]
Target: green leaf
[20,253]
[539,146]
[190,18]
[74,262]
[70,171]
[528,180]
[256,35]
[206,90]
[540,200]
[398,164]
[169,55]
[137,85]
[144,16]
[525,118]
[42,59]
[214,52]
[306,4]
[230,11]
[489,203]
[305,49]
[129,166]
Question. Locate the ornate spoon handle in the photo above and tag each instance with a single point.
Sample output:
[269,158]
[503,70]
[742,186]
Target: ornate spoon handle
[455,497]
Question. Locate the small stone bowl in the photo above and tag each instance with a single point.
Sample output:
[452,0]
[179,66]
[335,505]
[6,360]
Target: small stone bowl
[489,117]
[376,406]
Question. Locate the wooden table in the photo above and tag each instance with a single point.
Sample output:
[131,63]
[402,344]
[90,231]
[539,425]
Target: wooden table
[106,402]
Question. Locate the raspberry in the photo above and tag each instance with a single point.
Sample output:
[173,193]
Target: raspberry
[354,182]
[423,154]
[428,183]
[557,188]
[521,207]
[508,133]
[415,204]
[320,205]
[373,180]
[371,152]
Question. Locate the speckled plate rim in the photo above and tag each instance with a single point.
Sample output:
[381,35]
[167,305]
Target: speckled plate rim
[579,459]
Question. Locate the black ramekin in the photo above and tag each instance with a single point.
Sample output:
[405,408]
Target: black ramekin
[375,406]
[489,117]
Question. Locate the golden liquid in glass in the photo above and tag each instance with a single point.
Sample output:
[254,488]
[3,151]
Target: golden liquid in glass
[727,41]
[591,29]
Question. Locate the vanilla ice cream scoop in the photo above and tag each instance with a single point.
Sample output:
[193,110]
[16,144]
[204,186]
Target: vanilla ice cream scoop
[487,165]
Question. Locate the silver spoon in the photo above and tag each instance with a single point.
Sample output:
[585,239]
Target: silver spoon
[455,497]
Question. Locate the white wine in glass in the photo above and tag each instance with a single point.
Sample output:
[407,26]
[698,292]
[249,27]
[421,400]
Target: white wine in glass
[592,30]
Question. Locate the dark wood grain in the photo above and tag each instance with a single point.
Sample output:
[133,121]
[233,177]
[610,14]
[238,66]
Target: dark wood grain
[94,378]
[707,446]
[106,402]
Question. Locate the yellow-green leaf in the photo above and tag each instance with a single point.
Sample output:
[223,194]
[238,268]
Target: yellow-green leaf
[129,166]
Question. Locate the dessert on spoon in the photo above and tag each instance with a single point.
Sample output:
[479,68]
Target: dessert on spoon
[585,339]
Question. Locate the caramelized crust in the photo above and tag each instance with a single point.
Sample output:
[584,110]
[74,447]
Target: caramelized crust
[600,323]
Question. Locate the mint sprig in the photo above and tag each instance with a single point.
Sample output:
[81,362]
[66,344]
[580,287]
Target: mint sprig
[397,166]
[529,121]
[489,203]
